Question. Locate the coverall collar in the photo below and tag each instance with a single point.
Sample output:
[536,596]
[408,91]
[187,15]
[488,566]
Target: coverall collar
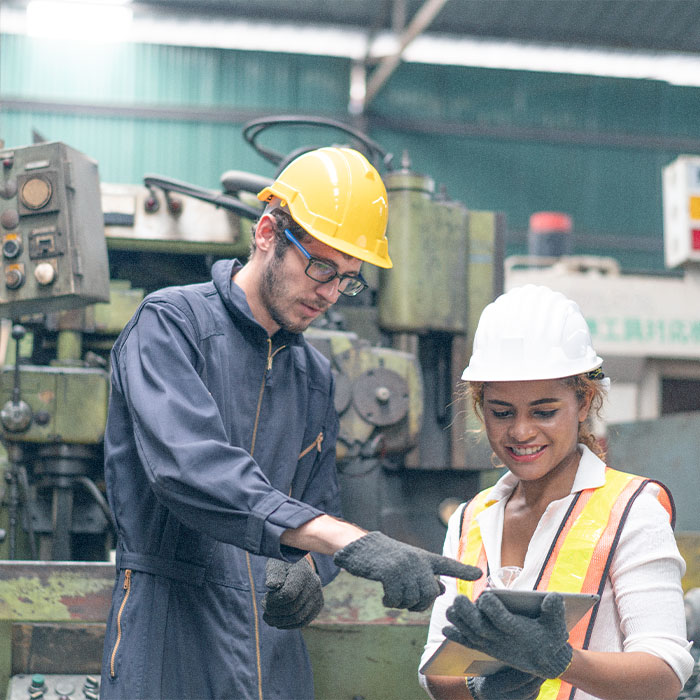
[237,305]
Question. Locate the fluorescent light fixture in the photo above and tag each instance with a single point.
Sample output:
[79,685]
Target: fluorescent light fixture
[100,21]
[674,68]
[90,23]
[251,36]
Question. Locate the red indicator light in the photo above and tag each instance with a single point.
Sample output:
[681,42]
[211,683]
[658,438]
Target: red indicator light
[695,233]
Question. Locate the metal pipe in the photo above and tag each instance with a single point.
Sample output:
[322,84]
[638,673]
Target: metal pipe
[27,499]
[90,486]
[388,64]
[61,519]
[70,346]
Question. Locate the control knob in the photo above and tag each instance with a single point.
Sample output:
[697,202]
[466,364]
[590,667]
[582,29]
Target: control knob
[16,416]
[11,247]
[14,278]
[45,273]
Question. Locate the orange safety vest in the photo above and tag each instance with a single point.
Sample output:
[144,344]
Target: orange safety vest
[580,555]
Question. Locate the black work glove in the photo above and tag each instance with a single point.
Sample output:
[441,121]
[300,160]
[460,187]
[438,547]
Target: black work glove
[294,594]
[535,645]
[506,684]
[407,573]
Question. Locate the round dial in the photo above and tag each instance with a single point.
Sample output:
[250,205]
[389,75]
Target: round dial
[35,193]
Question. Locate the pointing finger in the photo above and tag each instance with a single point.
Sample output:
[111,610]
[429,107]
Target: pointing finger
[444,566]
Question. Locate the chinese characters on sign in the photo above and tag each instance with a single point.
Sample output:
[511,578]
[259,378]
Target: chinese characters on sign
[631,330]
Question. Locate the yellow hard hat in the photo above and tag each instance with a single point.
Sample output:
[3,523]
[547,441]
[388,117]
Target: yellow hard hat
[337,195]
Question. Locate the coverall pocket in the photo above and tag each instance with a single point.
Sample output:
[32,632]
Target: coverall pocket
[316,444]
[305,465]
[120,613]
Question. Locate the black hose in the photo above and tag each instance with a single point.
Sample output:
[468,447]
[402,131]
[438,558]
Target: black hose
[375,153]
[226,201]
[89,484]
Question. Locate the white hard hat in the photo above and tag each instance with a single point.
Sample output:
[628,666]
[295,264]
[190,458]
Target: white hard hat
[531,332]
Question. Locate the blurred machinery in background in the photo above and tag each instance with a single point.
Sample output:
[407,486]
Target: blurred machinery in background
[396,351]
[53,250]
[52,411]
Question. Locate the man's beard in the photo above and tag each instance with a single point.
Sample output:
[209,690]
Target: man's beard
[274,292]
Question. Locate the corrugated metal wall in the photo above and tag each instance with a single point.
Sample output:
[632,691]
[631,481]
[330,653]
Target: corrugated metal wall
[176,111]
[511,141]
[523,142]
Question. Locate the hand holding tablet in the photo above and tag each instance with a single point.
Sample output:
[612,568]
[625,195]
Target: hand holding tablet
[455,659]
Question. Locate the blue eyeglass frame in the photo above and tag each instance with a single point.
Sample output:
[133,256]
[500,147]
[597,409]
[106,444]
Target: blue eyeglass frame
[312,260]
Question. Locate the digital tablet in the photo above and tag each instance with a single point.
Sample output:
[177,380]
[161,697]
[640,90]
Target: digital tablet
[452,659]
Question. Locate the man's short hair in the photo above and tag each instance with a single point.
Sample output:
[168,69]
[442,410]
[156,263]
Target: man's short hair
[283,220]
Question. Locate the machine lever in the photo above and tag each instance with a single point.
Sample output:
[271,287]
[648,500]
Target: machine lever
[16,415]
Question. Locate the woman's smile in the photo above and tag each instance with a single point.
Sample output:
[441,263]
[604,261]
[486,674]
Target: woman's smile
[533,425]
[526,453]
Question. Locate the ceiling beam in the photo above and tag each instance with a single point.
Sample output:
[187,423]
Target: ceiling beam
[388,64]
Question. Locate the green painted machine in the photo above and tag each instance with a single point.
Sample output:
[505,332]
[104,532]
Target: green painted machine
[77,259]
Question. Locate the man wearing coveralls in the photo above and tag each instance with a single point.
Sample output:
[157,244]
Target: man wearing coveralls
[220,457]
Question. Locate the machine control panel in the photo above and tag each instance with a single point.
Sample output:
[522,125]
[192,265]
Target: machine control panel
[39,686]
[53,251]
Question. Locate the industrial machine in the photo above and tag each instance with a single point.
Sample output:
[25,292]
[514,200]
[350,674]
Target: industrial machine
[78,258]
[396,351]
[54,258]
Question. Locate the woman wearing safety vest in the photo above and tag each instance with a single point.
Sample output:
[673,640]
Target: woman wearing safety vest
[560,520]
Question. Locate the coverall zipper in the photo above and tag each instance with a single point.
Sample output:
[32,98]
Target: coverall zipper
[268,367]
[127,589]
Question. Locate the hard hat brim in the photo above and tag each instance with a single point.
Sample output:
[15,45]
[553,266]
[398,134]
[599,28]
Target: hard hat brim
[527,374]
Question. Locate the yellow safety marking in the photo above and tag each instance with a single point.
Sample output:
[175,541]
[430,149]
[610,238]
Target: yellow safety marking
[694,207]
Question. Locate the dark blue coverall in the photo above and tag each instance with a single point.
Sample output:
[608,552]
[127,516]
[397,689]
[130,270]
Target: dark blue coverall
[207,420]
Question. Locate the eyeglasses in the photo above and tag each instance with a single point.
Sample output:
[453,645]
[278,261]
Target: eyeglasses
[320,271]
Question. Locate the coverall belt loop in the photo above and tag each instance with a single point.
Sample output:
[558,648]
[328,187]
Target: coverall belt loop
[178,570]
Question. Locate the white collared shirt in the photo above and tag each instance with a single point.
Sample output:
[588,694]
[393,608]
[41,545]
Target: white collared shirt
[641,608]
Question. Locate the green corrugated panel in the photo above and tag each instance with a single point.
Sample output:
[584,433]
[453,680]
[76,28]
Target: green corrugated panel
[538,100]
[146,74]
[534,141]
[127,149]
